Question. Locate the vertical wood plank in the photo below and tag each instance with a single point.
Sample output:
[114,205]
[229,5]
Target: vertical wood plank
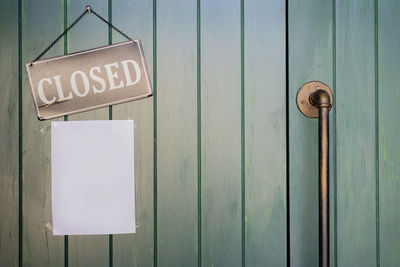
[265,133]
[9,133]
[177,134]
[135,19]
[355,109]
[90,32]
[310,58]
[221,133]
[42,22]
[389,129]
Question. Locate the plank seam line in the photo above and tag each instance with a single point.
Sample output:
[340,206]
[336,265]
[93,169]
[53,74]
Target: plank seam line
[287,135]
[110,117]
[199,218]
[242,121]
[334,134]
[377,134]
[20,207]
[155,129]
[65,3]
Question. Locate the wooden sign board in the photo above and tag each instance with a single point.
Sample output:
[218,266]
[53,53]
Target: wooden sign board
[89,79]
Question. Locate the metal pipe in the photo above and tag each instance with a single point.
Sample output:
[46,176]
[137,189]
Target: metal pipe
[319,101]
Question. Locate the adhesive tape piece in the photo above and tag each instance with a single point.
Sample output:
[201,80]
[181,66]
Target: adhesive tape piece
[49,226]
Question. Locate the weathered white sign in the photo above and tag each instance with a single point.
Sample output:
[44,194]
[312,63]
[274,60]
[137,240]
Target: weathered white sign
[89,79]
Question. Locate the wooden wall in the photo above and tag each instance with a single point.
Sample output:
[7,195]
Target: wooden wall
[226,166]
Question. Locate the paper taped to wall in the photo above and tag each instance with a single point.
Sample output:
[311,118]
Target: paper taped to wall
[92,167]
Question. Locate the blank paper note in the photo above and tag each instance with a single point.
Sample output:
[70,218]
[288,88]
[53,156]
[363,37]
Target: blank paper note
[93,186]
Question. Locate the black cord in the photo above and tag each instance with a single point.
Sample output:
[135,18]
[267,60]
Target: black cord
[87,10]
[109,24]
[60,36]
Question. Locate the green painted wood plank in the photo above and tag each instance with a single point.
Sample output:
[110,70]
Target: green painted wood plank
[265,133]
[177,133]
[42,22]
[221,133]
[310,58]
[355,109]
[90,32]
[137,249]
[389,129]
[9,133]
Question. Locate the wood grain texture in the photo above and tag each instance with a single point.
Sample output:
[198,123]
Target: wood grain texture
[389,130]
[135,19]
[355,107]
[265,133]
[42,22]
[310,58]
[177,133]
[221,133]
[90,32]
[9,133]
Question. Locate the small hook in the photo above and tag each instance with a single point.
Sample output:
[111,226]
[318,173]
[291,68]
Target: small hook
[88,8]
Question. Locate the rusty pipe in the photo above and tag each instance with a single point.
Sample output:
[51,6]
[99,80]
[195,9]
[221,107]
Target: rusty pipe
[320,101]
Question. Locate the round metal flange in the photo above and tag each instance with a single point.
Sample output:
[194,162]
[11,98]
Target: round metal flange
[303,98]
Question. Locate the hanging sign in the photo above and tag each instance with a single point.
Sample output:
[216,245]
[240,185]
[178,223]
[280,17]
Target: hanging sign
[89,79]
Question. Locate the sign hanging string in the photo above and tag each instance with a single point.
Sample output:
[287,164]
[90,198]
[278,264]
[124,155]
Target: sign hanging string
[87,10]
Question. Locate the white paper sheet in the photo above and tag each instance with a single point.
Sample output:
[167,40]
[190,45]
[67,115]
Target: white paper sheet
[92,165]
